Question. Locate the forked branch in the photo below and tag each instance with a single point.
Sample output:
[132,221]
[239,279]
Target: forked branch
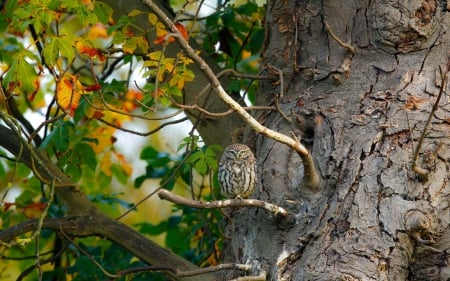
[311,178]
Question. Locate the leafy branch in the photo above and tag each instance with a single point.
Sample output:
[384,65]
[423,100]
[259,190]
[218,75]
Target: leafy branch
[311,179]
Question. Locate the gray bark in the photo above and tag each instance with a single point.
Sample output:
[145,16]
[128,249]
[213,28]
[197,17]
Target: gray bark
[373,218]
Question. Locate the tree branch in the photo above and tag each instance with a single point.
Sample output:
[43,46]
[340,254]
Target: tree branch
[86,219]
[229,203]
[311,178]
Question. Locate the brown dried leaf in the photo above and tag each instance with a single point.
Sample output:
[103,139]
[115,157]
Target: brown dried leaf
[413,103]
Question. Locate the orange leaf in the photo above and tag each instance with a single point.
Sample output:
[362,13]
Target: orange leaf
[91,88]
[33,210]
[68,93]
[163,33]
[37,85]
[97,31]
[90,51]
[130,97]
[182,29]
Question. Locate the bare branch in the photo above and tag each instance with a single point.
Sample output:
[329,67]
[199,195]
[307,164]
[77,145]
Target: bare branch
[229,203]
[146,133]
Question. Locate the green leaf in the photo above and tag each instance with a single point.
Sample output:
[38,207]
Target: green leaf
[173,221]
[155,158]
[139,181]
[201,167]
[120,86]
[86,154]
[102,11]
[21,76]
[58,46]
[73,169]
[247,9]
[60,136]
[153,229]
[119,173]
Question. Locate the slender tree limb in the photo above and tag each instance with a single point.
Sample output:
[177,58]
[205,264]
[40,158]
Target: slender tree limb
[415,166]
[229,203]
[311,177]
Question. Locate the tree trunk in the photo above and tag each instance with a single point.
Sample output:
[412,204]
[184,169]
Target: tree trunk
[361,114]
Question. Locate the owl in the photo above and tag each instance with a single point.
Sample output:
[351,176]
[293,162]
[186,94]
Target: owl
[237,171]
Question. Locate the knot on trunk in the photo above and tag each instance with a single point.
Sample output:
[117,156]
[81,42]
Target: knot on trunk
[419,226]
[404,27]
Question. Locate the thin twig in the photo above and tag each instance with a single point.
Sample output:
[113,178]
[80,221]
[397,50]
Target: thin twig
[143,134]
[416,167]
[229,203]
[281,94]
[339,41]
[219,114]
[89,256]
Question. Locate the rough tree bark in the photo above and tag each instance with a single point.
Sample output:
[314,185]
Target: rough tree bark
[361,115]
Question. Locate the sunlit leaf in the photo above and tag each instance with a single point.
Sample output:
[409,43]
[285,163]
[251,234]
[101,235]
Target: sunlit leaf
[68,93]
[56,47]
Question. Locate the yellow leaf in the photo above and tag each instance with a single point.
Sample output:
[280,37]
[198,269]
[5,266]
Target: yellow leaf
[155,55]
[152,18]
[126,167]
[134,12]
[105,164]
[68,93]
[185,59]
[105,138]
[160,30]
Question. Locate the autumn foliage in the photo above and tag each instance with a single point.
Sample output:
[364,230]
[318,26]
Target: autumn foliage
[73,80]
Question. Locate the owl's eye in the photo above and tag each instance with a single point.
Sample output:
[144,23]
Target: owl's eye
[232,154]
[241,154]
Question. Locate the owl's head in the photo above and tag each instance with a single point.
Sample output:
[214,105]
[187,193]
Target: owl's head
[238,151]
